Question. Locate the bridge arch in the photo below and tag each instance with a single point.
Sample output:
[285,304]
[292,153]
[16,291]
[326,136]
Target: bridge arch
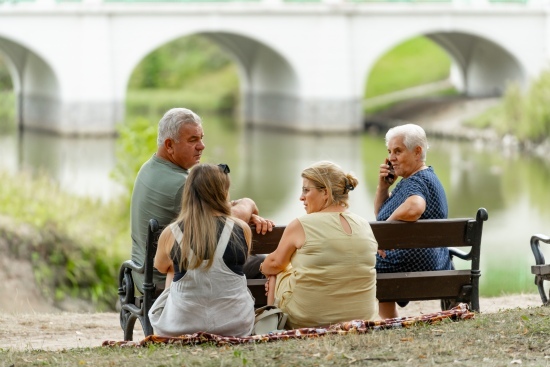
[485,67]
[35,86]
[268,82]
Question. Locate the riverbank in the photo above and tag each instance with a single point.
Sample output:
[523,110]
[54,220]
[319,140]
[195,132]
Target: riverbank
[66,330]
[445,117]
[440,116]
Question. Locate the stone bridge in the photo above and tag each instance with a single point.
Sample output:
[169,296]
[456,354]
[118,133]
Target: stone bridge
[302,65]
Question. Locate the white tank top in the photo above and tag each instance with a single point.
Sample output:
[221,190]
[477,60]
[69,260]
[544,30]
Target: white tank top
[213,300]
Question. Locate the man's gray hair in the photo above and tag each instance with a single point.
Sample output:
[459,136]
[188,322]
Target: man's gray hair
[171,122]
[413,136]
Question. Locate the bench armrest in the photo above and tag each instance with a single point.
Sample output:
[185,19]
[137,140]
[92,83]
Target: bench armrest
[535,247]
[460,254]
[132,265]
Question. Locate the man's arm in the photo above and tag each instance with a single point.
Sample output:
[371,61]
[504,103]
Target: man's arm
[246,210]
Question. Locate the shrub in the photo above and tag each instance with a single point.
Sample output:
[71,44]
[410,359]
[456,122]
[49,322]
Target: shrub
[76,244]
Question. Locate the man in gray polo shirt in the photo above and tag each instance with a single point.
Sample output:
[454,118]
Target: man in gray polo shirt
[159,186]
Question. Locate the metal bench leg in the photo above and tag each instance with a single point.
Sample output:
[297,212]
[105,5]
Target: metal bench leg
[127,322]
[539,282]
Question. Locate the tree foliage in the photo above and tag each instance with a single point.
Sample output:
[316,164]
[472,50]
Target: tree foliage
[414,62]
[135,145]
[179,63]
[523,113]
[5,77]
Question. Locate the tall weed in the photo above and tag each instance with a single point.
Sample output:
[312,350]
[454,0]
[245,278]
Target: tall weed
[136,143]
[80,243]
[8,123]
[524,114]
[537,111]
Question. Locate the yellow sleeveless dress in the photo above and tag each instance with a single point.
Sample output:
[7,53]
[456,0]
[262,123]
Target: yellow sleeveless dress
[331,278]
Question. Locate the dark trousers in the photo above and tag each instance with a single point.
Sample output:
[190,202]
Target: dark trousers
[251,268]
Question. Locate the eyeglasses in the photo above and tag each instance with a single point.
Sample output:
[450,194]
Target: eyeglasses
[305,189]
[224,167]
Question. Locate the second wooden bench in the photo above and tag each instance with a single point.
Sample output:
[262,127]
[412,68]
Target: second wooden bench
[450,286]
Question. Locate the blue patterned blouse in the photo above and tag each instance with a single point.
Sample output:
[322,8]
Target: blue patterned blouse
[423,183]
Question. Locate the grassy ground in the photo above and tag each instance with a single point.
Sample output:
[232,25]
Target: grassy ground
[65,262]
[516,336]
[523,114]
[414,62]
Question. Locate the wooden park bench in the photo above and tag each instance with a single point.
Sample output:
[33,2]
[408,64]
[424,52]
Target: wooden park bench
[450,286]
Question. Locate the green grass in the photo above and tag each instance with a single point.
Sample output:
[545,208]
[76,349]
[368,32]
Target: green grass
[37,200]
[7,112]
[509,337]
[524,114]
[414,62]
[214,92]
[75,244]
[371,110]
[190,71]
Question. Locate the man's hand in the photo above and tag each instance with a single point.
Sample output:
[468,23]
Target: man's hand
[262,225]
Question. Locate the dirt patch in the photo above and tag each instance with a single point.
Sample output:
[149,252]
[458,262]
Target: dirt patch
[57,331]
[19,243]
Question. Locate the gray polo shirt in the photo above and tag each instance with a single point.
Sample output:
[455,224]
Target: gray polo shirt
[157,194]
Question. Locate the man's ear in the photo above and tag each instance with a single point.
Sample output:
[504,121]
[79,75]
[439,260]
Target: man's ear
[418,150]
[168,145]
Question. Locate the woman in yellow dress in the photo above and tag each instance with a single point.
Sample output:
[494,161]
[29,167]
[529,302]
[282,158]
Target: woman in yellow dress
[322,271]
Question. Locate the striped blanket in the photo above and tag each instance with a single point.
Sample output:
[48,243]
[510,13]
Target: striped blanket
[460,312]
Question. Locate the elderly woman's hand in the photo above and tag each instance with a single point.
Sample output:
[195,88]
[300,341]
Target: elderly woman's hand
[387,174]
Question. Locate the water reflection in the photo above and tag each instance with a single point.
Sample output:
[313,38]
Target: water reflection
[266,166]
[80,166]
[272,163]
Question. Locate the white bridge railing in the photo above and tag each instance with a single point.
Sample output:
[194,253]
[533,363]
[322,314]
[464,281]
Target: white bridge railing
[395,2]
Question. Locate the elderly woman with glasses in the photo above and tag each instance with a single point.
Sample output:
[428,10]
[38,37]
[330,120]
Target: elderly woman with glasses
[203,253]
[322,271]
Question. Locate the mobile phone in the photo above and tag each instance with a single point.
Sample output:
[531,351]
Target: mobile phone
[390,178]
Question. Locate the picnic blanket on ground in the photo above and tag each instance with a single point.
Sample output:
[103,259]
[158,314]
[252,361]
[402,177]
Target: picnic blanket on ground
[460,312]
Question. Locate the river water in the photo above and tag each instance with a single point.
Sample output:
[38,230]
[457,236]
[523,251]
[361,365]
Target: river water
[266,166]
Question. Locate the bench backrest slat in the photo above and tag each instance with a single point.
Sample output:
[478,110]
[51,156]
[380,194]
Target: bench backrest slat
[421,234]
[266,243]
[395,235]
